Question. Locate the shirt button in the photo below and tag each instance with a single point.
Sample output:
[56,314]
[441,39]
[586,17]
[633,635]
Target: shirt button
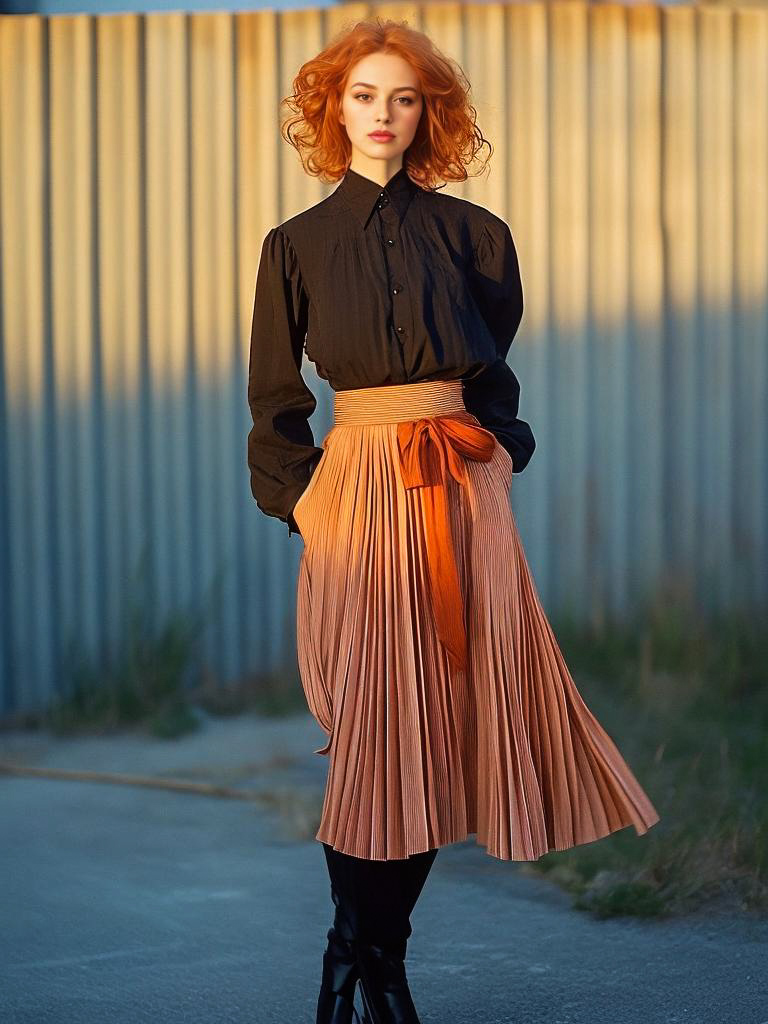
[396,289]
[399,330]
[390,241]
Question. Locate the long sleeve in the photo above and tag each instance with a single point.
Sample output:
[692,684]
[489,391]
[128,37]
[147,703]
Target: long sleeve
[494,395]
[282,454]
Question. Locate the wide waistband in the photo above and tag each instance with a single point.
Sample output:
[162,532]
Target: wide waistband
[395,403]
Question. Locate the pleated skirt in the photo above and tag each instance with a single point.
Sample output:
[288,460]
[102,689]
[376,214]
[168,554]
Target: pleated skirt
[443,720]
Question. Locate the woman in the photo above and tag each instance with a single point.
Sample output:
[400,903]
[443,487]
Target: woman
[424,652]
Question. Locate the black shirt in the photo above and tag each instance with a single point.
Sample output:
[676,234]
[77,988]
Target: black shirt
[379,285]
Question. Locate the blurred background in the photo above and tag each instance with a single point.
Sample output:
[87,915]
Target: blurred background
[140,587]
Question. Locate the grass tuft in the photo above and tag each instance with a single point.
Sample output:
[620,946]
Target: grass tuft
[685,701]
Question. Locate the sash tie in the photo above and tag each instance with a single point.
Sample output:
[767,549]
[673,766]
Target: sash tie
[431,448]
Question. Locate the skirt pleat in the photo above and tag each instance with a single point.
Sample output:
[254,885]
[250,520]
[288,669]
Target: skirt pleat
[422,753]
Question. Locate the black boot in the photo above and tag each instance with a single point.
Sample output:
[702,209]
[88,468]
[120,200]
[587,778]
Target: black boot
[376,899]
[415,871]
[384,986]
[335,1004]
[383,982]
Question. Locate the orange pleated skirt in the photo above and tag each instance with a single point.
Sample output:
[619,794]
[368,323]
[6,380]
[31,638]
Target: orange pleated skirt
[424,651]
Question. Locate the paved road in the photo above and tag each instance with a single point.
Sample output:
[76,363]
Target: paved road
[126,905]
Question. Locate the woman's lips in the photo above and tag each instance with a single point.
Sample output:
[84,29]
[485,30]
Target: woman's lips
[381,136]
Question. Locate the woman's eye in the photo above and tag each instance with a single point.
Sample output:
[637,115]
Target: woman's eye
[364,95]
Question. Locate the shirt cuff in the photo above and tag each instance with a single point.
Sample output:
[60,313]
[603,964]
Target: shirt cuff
[292,525]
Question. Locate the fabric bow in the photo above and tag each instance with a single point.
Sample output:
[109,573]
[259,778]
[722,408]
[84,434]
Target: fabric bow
[431,448]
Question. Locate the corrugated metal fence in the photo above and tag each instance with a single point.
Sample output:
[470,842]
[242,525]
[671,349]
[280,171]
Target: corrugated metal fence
[141,166]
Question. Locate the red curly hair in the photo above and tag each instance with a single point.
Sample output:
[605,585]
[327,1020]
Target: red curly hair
[447,138]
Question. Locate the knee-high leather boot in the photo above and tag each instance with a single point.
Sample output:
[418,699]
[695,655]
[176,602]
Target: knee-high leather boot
[377,898]
[383,982]
[335,1004]
[336,1001]
[415,871]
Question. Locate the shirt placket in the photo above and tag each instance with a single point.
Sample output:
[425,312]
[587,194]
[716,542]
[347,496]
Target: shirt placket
[400,321]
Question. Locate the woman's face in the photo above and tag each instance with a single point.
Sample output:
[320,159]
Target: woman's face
[382,94]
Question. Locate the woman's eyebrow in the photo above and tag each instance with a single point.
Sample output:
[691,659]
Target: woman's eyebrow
[369,86]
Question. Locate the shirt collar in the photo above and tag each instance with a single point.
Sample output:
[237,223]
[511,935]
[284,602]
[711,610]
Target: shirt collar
[362,194]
